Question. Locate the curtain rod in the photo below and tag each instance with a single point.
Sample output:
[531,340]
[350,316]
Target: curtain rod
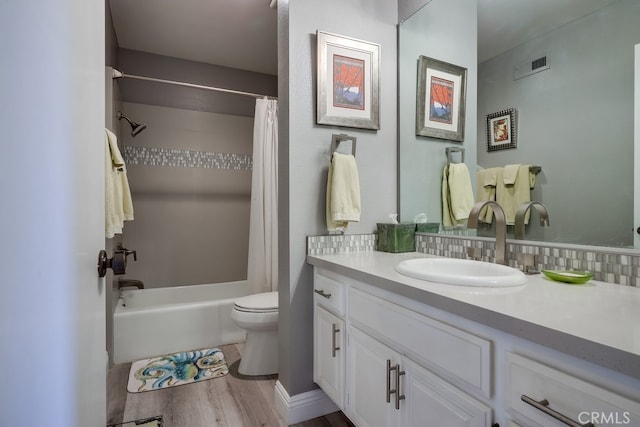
[120,75]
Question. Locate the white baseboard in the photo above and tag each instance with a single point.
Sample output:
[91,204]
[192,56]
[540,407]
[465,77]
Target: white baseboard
[304,406]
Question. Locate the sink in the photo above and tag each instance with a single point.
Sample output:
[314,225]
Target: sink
[463,272]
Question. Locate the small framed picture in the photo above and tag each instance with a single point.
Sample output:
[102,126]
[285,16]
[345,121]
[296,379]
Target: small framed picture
[501,130]
[348,82]
[441,99]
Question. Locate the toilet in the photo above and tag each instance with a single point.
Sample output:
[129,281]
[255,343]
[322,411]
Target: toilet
[258,315]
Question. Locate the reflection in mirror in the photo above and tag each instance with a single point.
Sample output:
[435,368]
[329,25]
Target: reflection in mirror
[575,118]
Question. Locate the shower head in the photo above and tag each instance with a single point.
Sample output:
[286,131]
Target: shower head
[135,127]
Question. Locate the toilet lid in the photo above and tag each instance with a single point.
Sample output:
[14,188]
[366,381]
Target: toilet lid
[267,301]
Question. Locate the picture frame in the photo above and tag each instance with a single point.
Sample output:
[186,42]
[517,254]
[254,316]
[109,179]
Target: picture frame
[348,81]
[441,99]
[501,130]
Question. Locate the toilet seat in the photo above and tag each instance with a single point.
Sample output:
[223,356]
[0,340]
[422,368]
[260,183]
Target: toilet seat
[266,302]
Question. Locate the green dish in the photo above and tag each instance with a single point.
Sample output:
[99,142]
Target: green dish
[576,277]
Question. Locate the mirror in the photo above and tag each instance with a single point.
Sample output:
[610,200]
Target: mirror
[575,119]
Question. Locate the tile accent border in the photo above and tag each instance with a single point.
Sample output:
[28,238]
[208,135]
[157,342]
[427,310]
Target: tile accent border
[340,243]
[610,265]
[154,156]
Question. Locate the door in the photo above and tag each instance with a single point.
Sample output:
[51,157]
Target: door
[636,149]
[52,119]
[328,353]
[429,400]
[367,371]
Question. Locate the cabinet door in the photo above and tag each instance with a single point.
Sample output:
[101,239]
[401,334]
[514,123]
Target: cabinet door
[328,354]
[367,373]
[431,401]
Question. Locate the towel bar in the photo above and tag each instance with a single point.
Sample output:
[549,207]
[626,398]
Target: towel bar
[336,139]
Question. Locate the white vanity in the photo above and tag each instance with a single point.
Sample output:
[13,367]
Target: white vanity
[391,350]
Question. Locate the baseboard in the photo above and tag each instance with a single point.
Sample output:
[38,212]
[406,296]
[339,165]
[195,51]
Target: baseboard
[304,406]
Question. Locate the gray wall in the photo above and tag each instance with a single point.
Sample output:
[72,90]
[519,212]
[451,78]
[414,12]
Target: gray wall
[304,157]
[445,30]
[576,121]
[110,39]
[167,68]
[191,223]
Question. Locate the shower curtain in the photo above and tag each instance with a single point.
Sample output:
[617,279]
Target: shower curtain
[262,270]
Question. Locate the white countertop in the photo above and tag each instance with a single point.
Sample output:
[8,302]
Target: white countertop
[598,322]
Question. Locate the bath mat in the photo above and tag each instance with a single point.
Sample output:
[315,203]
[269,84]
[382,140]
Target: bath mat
[170,370]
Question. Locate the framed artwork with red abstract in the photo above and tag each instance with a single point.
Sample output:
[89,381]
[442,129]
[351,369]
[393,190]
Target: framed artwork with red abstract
[440,99]
[348,82]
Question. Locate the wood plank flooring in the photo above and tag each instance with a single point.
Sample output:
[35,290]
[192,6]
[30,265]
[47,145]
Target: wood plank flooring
[234,400]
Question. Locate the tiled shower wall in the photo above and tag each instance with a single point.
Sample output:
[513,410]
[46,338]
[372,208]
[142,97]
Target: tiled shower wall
[611,265]
[190,179]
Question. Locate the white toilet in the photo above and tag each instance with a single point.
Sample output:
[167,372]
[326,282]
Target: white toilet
[258,315]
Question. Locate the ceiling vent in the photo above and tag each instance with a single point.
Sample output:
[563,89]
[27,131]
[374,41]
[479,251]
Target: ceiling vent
[530,67]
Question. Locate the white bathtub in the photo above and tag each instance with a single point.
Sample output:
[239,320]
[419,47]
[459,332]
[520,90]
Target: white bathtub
[150,322]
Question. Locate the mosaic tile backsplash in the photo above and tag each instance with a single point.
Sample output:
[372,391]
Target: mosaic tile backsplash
[152,156]
[340,243]
[608,265]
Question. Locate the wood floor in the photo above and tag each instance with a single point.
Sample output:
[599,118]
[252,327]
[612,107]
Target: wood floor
[230,401]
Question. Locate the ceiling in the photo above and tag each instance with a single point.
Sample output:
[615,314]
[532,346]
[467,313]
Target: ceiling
[243,33]
[232,33]
[505,24]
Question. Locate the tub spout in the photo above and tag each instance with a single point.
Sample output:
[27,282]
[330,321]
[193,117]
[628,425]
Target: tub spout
[130,283]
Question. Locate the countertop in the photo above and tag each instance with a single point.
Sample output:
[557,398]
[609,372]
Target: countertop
[598,322]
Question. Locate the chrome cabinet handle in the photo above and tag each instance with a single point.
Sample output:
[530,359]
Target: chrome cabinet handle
[321,292]
[543,405]
[399,396]
[389,391]
[334,348]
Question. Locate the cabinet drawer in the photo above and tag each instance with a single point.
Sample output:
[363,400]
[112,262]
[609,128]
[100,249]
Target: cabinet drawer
[458,353]
[566,394]
[329,293]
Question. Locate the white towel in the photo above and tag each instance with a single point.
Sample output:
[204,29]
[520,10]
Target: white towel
[343,192]
[117,196]
[457,195]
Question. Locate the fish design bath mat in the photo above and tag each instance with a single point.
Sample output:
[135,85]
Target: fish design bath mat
[170,370]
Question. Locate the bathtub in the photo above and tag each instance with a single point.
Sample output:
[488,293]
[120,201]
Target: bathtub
[151,322]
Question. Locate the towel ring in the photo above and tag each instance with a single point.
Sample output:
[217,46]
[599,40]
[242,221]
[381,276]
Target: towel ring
[336,139]
[451,150]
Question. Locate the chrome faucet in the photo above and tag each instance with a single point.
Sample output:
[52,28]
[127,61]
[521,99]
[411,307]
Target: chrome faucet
[501,227]
[521,214]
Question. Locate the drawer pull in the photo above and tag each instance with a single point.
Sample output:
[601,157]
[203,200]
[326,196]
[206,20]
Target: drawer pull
[321,292]
[334,348]
[389,391]
[543,405]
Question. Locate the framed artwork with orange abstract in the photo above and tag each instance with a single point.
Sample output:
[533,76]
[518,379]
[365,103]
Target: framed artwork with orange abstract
[440,99]
[348,82]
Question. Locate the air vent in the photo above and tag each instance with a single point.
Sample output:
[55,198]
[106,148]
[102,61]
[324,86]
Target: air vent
[528,68]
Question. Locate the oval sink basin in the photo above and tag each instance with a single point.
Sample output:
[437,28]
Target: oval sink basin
[463,272]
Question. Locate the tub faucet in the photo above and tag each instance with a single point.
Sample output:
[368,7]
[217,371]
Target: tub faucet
[522,212]
[501,227]
[130,283]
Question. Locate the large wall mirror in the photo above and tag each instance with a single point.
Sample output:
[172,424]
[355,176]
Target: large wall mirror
[575,119]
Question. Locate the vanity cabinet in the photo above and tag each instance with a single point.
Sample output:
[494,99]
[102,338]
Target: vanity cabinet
[407,362]
[390,353]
